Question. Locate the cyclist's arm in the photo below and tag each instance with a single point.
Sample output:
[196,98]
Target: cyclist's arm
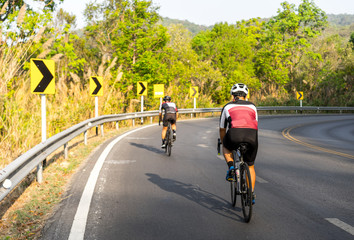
[222,125]
[222,133]
[160,112]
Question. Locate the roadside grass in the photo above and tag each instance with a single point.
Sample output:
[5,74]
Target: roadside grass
[27,216]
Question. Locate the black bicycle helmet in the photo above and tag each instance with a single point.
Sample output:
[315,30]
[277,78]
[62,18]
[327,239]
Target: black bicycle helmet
[167,99]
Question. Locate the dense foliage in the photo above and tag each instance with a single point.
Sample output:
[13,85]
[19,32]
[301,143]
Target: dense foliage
[126,42]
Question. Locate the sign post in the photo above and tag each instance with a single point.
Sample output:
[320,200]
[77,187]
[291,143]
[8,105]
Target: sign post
[96,90]
[42,82]
[142,91]
[193,93]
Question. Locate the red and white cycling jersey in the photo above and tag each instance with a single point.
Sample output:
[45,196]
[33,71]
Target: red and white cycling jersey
[168,107]
[239,114]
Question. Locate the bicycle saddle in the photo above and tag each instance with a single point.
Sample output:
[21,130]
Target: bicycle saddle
[243,147]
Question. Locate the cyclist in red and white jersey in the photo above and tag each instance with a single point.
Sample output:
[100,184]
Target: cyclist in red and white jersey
[239,124]
[170,115]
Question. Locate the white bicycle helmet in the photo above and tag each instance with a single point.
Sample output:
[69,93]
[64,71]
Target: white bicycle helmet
[239,89]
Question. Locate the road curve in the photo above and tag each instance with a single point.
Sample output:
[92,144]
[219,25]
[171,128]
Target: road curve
[303,192]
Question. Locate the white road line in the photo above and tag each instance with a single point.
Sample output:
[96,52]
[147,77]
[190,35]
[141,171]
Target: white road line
[138,138]
[202,145]
[117,162]
[342,225]
[77,231]
[260,180]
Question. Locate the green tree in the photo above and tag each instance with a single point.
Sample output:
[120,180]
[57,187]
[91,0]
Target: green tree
[127,31]
[231,50]
[351,40]
[184,69]
[285,41]
[8,7]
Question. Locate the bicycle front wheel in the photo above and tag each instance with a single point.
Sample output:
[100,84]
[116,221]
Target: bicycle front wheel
[246,192]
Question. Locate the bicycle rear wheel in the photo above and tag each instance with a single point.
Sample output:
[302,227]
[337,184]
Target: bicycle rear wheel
[246,192]
[233,192]
[233,184]
[169,139]
[169,145]
[166,140]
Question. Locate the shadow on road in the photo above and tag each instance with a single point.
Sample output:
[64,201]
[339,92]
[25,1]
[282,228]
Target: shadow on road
[194,193]
[150,148]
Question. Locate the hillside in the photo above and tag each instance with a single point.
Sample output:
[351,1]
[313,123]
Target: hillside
[335,20]
[192,27]
[341,19]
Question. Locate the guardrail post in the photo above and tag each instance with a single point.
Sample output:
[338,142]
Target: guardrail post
[85,137]
[102,134]
[66,151]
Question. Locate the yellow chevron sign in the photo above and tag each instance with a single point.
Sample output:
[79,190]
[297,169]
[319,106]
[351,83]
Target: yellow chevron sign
[193,92]
[42,76]
[142,88]
[96,88]
[299,95]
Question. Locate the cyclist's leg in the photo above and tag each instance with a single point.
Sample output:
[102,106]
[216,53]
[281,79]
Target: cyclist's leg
[250,158]
[172,120]
[253,176]
[230,163]
[227,148]
[228,156]
[174,126]
[163,133]
[164,130]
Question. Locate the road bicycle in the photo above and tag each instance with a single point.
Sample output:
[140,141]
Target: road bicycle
[241,183]
[169,139]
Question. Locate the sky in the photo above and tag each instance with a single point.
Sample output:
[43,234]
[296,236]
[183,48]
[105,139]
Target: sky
[209,12]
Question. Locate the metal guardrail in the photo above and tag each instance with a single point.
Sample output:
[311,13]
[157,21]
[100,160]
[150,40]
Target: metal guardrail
[21,167]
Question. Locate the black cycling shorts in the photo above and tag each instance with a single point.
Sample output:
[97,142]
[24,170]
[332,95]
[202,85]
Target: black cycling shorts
[169,117]
[235,136]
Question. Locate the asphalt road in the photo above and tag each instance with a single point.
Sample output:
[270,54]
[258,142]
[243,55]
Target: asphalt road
[304,187]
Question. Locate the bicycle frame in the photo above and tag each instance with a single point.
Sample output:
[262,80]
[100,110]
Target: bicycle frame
[241,183]
[238,160]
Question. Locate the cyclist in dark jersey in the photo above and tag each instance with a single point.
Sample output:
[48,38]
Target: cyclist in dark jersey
[239,124]
[170,112]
